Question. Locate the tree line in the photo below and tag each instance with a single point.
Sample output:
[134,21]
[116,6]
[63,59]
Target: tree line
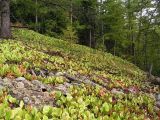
[126,28]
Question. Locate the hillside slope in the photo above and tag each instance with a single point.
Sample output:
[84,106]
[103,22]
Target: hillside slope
[101,86]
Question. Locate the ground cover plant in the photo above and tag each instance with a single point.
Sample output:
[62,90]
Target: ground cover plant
[119,92]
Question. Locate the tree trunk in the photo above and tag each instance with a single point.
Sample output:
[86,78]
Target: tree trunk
[145,52]
[114,52]
[102,24]
[0,16]
[150,69]
[5,30]
[0,13]
[90,38]
[36,18]
[138,37]
[71,12]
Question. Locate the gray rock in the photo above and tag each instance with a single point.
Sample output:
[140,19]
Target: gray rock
[2,87]
[20,85]
[51,74]
[14,92]
[133,90]
[158,79]
[46,95]
[33,97]
[36,82]
[33,92]
[42,73]
[152,96]
[156,108]
[115,91]
[6,80]
[61,88]
[67,84]
[76,84]
[59,74]
[38,86]
[151,77]
[39,96]
[27,84]
[158,104]
[158,97]
[20,79]
[26,100]
[1,80]
[37,102]
[87,81]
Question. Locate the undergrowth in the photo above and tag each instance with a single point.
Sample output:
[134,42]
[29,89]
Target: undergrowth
[32,51]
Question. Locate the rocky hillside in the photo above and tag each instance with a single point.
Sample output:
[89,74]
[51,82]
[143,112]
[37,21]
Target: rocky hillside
[50,79]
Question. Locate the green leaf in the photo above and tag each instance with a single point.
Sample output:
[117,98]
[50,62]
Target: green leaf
[46,110]
[58,94]
[11,99]
[65,115]
[21,104]
[105,107]
[8,115]
[45,117]
[15,112]
[56,112]
[69,97]
[28,117]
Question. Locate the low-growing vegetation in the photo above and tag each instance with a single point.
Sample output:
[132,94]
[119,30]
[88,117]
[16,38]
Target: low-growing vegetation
[29,53]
